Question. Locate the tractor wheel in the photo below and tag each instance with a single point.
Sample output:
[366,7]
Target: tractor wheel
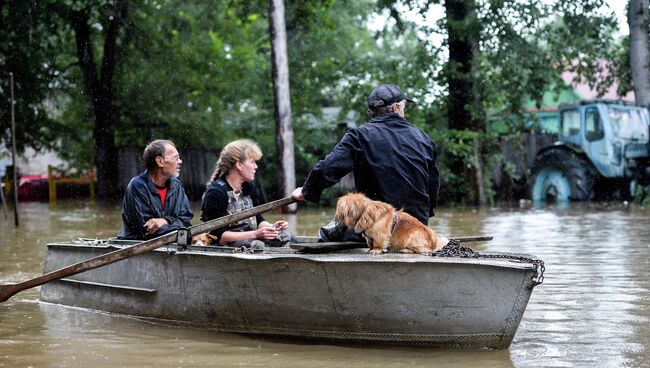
[561,175]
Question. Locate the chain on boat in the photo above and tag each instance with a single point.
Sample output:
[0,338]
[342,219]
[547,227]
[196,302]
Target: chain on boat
[454,249]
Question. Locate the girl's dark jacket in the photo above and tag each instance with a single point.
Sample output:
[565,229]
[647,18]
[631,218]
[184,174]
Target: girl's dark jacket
[142,202]
[215,204]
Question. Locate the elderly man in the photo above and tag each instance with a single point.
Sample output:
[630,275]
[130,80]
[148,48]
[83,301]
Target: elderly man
[392,160]
[155,202]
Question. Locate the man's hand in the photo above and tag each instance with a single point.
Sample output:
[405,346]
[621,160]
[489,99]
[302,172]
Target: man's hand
[297,195]
[154,225]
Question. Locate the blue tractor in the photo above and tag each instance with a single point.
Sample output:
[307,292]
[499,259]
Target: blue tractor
[602,153]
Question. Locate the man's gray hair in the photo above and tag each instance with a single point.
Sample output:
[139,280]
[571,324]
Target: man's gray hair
[153,150]
[376,111]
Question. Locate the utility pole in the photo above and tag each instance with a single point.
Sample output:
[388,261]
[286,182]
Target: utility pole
[13,149]
[284,130]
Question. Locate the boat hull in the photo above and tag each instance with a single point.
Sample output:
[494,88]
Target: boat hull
[351,296]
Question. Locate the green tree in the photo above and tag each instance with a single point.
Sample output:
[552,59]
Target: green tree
[29,44]
[497,53]
[200,74]
[99,76]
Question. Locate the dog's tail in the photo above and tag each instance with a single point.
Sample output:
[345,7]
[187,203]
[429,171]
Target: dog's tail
[441,241]
[437,241]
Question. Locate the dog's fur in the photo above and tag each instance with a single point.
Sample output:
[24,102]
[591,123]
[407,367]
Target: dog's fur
[203,239]
[374,220]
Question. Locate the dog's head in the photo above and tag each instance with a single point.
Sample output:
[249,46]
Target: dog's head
[349,208]
[374,211]
[203,239]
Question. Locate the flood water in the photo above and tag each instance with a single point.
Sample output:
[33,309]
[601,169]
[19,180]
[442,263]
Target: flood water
[593,308]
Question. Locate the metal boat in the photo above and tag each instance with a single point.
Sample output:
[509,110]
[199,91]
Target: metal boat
[344,296]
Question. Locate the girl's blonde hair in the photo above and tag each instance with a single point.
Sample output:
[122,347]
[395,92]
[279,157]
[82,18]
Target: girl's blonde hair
[236,151]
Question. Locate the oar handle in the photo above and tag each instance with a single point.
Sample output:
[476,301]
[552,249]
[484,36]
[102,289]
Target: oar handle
[226,220]
[7,291]
[463,239]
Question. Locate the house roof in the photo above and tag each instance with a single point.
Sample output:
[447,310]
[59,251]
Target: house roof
[582,88]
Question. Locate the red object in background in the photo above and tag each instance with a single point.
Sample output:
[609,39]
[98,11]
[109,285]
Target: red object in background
[33,188]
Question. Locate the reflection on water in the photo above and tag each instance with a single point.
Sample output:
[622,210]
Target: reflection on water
[592,309]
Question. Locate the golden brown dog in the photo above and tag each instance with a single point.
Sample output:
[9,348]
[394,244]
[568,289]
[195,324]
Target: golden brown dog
[385,228]
[203,239]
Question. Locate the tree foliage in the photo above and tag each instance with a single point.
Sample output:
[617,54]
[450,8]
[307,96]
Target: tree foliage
[29,48]
[200,73]
[513,50]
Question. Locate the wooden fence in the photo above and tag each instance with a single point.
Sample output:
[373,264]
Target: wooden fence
[520,154]
[196,168]
[76,184]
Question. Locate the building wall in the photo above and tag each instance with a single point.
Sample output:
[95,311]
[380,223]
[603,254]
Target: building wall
[30,162]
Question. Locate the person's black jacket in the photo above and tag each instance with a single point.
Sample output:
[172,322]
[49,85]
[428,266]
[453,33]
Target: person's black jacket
[392,160]
[142,202]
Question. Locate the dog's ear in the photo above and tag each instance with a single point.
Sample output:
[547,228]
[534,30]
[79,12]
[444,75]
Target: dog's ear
[340,211]
[339,215]
[368,217]
[348,210]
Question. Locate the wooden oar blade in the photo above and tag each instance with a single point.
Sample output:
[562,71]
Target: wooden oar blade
[7,291]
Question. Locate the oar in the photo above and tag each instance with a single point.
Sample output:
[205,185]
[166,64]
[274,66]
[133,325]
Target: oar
[336,246]
[7,291]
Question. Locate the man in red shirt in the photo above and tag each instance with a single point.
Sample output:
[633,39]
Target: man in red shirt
[155,202]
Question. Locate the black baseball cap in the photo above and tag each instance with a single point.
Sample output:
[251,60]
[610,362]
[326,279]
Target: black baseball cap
[385,95]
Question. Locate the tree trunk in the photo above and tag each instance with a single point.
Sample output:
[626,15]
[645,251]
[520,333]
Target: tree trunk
[478,167]
[284,134]
[465,106]
[638,20]
[99,90]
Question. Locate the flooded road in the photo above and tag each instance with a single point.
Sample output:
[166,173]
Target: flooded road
[593,308]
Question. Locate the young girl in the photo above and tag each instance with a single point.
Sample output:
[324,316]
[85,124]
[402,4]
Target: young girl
[231,190]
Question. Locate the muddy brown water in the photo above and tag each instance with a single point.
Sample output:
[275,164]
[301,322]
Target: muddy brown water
[593,308]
